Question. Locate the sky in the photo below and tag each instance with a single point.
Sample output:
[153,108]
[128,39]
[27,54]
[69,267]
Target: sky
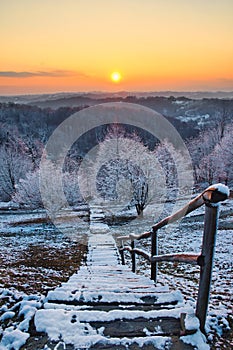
[75,45]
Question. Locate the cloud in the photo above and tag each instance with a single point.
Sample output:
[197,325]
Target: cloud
[54,73]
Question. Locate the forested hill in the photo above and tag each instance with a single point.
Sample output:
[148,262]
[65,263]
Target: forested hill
[25,127]
[42,114]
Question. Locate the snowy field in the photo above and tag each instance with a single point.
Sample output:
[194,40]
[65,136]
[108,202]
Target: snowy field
[35,259]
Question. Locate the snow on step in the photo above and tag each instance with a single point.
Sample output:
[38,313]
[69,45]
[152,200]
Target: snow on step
[114,283]
[97,217]
[81,297]
[68,326]
[98,227]
[85,329]
[102,250]
[106,306]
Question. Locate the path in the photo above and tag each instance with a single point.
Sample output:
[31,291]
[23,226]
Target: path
[97,218]
[106,306]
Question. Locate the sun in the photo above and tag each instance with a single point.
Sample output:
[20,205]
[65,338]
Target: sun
[116,77]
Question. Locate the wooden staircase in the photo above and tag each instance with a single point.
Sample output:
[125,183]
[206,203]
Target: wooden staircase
[106,306]
[97,218]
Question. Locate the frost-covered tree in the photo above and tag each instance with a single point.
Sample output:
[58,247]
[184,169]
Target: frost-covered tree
[50,178]
[71,188]
[211,154]
[200,149]
[221,158]
[177,169]
[163,153]
[28,191]
[206,171]
[14,166]
[119,160]
[222,117]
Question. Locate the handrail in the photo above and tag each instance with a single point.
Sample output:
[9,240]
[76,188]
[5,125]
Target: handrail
[188,258]
[211,198]
[212,194]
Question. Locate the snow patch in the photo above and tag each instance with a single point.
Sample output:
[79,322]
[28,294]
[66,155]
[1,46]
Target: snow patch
[197,339]
[220,188]
[15,335]
[191,322]
[7,316]
[13,339]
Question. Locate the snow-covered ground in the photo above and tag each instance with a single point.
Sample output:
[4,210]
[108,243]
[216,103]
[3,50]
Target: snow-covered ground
[35,259]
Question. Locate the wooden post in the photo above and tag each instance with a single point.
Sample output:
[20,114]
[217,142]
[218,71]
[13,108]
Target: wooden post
[122,253]
[206,262]
[133,256]
[211,196]
[154,251]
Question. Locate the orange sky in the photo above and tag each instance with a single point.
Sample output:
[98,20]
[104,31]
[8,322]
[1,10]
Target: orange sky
[75,45]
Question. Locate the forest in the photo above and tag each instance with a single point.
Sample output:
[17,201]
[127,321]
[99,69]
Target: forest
[205,125]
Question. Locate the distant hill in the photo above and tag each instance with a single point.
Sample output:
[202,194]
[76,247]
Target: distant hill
[188,115]
[62,99]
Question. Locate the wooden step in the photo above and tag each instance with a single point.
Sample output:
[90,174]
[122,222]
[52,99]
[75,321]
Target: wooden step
[41,341]
[89,329]
[136,298]
[106,306]
[148,343]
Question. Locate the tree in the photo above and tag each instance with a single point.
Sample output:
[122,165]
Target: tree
[223,116]
[176,168]
[118,160]
[200,149]
[71,188]
[13,167]
[211,154]
[50,175]
[28,191]
[222,157]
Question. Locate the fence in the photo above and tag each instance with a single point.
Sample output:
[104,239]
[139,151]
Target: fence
[210,198]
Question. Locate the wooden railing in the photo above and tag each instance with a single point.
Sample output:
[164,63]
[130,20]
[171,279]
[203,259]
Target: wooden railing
[210,198]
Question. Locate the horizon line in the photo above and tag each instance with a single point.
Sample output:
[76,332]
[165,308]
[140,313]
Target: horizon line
[119,92]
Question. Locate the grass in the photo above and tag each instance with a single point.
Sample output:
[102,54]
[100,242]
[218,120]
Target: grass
[40,268]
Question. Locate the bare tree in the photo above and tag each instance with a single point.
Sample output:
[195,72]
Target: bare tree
[13,167]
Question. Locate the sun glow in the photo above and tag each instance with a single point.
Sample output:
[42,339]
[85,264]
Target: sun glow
[116,77]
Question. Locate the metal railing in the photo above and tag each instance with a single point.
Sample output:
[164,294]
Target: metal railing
[211,198]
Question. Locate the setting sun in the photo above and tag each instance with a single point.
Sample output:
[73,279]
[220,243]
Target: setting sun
[116,77]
